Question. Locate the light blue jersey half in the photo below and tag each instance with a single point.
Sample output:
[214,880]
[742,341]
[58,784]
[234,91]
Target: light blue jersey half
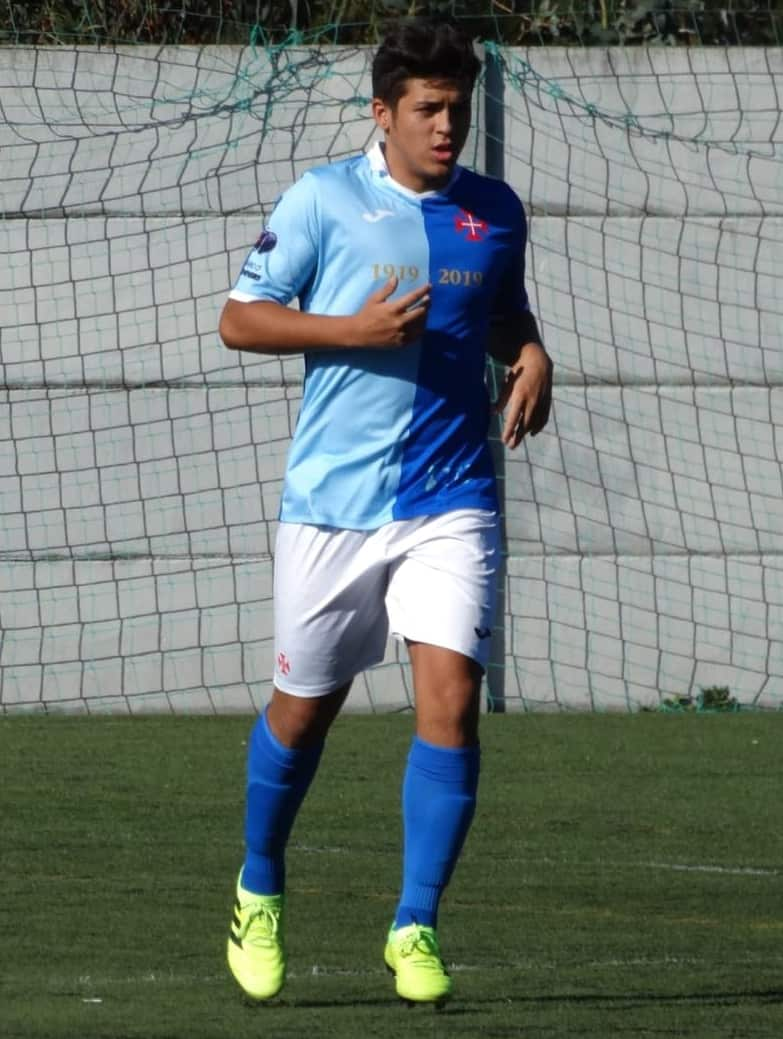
[392,434]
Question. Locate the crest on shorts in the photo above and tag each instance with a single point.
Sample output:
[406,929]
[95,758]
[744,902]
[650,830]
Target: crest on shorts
[283,664]
[266,242]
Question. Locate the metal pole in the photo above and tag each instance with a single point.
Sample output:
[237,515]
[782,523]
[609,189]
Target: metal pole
[494,165]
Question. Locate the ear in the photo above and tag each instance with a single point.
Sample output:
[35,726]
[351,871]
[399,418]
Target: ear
[381,113]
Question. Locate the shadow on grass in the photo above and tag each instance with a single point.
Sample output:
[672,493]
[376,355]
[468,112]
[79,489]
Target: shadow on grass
[476,1005]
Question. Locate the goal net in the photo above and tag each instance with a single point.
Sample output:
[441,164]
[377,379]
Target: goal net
[141,463]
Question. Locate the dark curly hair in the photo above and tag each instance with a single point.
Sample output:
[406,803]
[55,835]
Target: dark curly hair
[422,49]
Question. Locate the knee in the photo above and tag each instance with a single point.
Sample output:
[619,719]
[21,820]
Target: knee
[450,717]
[299,722]
[459,705]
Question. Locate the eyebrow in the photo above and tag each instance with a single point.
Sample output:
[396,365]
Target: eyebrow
[460,103]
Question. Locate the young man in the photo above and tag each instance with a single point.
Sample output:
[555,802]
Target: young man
[407,269]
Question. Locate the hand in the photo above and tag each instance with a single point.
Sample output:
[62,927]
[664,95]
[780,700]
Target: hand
[527,392]
[382,323]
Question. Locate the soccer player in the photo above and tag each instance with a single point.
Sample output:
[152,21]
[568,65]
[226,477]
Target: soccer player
[408,269]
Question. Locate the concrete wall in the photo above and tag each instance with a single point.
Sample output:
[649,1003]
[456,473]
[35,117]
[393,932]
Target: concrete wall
[140,463]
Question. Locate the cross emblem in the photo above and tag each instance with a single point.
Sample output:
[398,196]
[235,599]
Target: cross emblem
[475,227]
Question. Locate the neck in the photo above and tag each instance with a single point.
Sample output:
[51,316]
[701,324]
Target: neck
[409,180]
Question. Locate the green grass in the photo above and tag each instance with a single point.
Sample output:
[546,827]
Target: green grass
[624,877]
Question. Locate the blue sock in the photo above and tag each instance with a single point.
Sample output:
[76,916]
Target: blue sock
[278,778]
[438,802]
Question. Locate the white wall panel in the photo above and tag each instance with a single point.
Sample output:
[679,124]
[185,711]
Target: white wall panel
[141,462]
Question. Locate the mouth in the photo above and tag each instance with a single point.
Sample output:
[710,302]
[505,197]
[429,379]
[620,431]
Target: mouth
[443,152]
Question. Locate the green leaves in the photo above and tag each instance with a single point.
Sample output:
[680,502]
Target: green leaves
[523,22]
[714,699]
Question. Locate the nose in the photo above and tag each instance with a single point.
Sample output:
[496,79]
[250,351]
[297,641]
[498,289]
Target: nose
[444,122]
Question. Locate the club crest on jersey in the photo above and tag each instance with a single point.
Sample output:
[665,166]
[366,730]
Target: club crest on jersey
[266,242]
[472,228]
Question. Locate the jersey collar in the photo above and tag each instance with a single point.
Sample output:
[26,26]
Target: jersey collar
[377,161]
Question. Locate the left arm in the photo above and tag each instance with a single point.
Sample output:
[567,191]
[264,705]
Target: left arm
[527,390]
[515,341]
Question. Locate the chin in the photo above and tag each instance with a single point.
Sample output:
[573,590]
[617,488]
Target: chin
[440,173]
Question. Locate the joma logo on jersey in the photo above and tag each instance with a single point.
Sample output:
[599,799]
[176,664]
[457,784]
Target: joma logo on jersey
[376,215]
[470,227]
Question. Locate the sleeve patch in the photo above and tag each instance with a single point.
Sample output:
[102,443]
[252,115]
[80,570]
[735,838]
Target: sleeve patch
[266,242]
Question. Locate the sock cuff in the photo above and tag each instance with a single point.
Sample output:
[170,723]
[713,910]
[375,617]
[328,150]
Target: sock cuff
[454,764]
[285,756]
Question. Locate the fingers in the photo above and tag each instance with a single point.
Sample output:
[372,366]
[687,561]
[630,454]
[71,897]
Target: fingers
[526,415]
[514,429]
[414,299]
[505,393]
[540,415]
[382,294]
[411,310]
[527,393]
[413,324]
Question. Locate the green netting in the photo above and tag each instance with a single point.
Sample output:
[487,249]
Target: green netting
[141,464]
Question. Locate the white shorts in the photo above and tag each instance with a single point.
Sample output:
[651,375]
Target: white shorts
[340,593]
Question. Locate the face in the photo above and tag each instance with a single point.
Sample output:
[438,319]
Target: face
[425,131]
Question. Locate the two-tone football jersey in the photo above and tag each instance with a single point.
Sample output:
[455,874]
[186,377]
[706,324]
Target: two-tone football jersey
[387,434]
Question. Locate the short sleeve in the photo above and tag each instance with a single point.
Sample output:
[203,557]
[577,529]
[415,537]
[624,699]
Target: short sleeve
[284,259]
[511,298]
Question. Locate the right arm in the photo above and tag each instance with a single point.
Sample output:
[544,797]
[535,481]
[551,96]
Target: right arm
[266,327]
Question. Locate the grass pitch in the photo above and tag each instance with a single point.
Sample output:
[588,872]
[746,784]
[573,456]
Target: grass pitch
[623,878]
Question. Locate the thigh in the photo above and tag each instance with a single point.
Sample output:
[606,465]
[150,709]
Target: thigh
[448,695]
[330,615]
[443,585]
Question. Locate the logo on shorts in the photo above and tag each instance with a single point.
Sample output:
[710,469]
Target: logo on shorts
[266,242]
[483,633]
[283,664]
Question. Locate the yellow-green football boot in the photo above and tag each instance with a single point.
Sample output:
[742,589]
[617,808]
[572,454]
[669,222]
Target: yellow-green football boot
[256,953]
[412,954]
